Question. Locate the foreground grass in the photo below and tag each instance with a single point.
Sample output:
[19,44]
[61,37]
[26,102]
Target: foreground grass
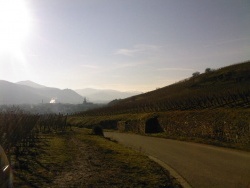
[123,167]
[48,159]
[80,159]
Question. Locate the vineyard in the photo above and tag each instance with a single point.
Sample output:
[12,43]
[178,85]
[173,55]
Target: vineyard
[213,106]
[44,151]
[228,99]
[21,134]
[224,88]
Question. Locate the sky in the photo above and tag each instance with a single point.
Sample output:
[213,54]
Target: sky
[126,45]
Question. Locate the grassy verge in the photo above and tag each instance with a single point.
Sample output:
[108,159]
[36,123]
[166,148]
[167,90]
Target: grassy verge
[40,168]
[123,167]
[237,146]
[224,127]
[80,159]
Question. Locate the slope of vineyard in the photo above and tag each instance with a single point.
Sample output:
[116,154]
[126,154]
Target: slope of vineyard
[225,87]
[210,106]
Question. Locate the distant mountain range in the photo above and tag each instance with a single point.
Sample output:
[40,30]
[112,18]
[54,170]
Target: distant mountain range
[227,87]
[104,96]
[28,92]
[31,84]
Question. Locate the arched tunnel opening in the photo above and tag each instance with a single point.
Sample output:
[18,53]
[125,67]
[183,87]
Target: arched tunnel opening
[153,126]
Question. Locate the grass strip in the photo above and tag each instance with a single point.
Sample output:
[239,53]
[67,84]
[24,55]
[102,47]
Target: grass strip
[81,159]
[126,167]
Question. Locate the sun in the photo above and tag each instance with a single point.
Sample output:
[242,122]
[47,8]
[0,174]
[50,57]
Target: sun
[14,24]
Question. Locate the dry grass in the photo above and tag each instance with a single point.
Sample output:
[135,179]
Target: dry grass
[80,159]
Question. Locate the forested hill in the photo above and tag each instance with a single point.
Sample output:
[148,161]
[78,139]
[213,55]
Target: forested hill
[227,87]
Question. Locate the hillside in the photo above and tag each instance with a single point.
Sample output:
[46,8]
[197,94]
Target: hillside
[12,93]
[225,87]
[212,108]
[30,83]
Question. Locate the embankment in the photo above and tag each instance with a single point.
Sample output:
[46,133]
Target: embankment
[225,127]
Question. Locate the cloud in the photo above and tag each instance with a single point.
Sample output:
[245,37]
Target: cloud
[125,52]
[90,66]
[175,69]
[131,64]
[226,42]
[137,49]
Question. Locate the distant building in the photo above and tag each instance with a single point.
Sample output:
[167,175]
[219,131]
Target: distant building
[85,100]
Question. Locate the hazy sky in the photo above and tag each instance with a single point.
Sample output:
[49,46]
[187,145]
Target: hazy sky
[121,44]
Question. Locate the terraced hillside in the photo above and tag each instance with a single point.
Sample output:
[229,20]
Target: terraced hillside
[212,107]
[225,87]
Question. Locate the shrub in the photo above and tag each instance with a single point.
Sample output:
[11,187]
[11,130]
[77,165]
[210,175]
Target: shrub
[207,70]
[97,130]
[196,74]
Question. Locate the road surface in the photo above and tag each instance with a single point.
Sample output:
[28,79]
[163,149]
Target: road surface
[200,165]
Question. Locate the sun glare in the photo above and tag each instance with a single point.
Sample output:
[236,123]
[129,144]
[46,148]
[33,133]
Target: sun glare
[14,24]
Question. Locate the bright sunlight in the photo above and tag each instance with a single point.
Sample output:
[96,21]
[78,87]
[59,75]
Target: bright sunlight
[14,25]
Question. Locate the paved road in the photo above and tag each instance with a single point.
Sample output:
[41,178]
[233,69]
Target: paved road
[200,165]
